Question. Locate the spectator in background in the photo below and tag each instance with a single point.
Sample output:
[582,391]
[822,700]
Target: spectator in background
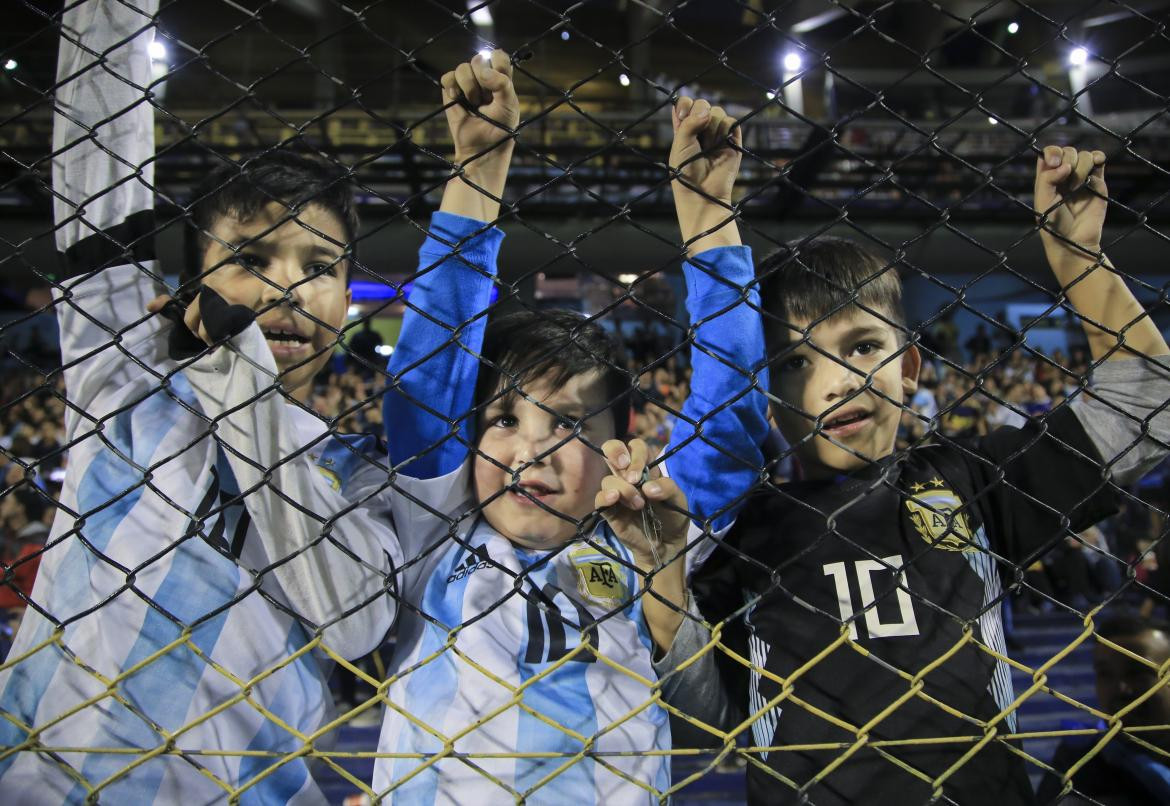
[363,349]
[1123,772]
[22,518]
[979,345]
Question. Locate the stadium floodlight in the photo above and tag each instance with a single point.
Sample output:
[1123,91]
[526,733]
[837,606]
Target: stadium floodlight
[1013,27]
[1078,57]
[627,278]
[158,51]
[793,62]
[485,54]
[624,80]
[353,310]
[992,120]
[10,65]
[771,96]
[482,17]
[564,36]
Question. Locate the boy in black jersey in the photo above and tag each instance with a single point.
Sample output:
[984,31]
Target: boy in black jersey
[866,595]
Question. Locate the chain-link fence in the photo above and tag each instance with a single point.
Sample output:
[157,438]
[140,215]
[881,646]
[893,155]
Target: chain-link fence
[869,510]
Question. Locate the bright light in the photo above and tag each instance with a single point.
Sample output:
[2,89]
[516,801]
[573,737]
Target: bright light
[482,17]
[793,62]
[158,51]
[10,64]
[564,36]
[1013,27]
[1078,57]
[992,121]
[624,80]
[353,310]
[627,278]
[771,95]
[384,349]
[485,54]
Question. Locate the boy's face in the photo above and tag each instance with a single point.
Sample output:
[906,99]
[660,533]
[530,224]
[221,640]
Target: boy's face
[554,467]
[273,256]
[841,376]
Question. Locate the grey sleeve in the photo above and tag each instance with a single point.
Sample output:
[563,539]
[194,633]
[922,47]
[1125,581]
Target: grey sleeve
[696,690]
[1126,412]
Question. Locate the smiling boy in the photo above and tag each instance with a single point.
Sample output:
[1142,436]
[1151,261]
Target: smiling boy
[531,651]
[866,596]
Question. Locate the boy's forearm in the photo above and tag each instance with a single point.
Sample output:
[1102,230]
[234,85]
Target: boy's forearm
[664,600]
[328,555]
[475,191]
[1101,296]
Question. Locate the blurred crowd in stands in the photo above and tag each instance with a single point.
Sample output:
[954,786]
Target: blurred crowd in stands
[965,390]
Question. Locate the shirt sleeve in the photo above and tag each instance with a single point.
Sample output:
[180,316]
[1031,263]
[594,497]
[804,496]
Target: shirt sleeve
[1042,482]
[1124,412]
[714,452]
[332,553]
[690,677]
[428,402]
[103,200]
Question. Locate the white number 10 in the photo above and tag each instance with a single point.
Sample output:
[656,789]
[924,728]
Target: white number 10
[873,622]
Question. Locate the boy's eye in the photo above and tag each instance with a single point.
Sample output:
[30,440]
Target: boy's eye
[793,363]
[318,269]
[248,261]
[867,348]
[568,423]
[503,421]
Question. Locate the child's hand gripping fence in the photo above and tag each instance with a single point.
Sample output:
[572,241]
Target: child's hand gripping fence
[946,572]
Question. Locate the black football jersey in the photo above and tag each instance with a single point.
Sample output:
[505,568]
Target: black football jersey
[868,606]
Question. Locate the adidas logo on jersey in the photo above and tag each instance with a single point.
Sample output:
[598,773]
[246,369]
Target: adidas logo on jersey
[476,560]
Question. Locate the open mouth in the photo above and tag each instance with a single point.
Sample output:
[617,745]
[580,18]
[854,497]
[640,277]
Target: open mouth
[528,492]
[285,337]
[846,423]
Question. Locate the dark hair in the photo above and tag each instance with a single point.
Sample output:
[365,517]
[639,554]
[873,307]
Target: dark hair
[808,280]
[1127,625]
[32,502]
[521,347]
[241,191]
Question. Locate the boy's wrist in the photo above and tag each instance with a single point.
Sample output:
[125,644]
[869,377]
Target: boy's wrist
[474,190]
[711,228]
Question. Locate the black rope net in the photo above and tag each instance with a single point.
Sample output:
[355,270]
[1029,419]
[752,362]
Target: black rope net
[286,518]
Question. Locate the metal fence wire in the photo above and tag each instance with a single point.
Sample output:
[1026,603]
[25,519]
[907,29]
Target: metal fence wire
[869,510]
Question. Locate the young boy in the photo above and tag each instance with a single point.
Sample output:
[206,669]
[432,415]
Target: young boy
[530,636]
[866,596]
[152,667]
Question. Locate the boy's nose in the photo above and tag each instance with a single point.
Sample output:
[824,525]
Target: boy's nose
[533,447]
[281,283]
[842,381]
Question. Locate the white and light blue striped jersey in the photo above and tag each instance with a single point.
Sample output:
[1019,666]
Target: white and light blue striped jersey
[151,666]
[533,667]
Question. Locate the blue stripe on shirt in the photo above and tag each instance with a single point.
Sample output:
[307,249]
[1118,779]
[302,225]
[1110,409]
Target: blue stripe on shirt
[562,696]
[301,695]
[199,581]
[107,477]
[433,687]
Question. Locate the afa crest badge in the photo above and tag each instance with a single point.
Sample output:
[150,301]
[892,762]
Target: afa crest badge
[936,514]
[334,479]
[600,578]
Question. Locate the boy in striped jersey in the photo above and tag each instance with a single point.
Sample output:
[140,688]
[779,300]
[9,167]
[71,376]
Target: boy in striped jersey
[159,660]
[866,595]
[525,662]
